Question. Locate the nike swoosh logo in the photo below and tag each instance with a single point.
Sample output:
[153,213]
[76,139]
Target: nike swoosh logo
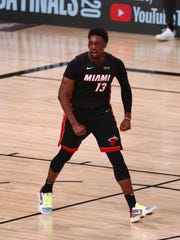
[88,68]
[107,110]
[139,211]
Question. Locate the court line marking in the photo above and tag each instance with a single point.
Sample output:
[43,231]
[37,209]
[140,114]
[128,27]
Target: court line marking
[173,237]
[88,164]
[92,200]
[31,70]
[4,182]
[114,85]
[84,202]
[51,66]
[65,63]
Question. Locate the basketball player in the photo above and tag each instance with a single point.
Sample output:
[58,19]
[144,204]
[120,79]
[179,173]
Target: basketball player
[169,33]
[84,95]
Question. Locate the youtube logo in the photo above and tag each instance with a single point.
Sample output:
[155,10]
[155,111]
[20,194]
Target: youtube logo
[120,12]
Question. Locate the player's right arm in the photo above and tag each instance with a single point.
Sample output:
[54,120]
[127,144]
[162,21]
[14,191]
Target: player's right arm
[65,92]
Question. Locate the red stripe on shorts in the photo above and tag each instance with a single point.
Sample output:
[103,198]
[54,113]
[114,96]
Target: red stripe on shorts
[62,129]
[110,149]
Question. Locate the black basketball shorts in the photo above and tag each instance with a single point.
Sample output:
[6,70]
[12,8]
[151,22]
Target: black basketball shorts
[101,123]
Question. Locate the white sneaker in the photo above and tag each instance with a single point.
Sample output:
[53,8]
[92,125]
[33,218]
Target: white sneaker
[166,35]
[45,202]
[145,210]
[140,211]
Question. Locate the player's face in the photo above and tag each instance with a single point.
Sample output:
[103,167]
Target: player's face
[96,45]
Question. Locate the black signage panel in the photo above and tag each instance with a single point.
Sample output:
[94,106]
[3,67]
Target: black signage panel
[133,16]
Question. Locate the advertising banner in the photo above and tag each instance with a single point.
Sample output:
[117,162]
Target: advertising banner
[133,16]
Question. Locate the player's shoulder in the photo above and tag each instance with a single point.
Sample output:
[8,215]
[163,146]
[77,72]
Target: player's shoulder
[78,59]
[117,63]
[81,56]
[114,58]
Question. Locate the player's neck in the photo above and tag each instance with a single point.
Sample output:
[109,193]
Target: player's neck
[97,61]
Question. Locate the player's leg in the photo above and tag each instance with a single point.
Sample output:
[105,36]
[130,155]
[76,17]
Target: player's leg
[55,168]
[123,178]
[169,33]
[169,8]
[109,142]
[46,192]
[69,144]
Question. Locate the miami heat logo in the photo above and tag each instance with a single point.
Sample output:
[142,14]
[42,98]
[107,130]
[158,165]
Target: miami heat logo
[112,141]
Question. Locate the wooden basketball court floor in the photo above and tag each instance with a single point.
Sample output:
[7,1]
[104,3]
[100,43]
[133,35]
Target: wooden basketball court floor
[88,204]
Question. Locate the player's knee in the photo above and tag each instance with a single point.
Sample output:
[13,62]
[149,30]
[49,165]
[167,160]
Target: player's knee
[119,166]
[122,176]
[59,160]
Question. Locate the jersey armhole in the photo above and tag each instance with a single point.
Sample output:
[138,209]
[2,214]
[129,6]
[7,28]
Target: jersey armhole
[113,65]
[81,64]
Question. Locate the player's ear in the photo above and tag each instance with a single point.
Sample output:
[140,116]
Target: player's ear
[105,44]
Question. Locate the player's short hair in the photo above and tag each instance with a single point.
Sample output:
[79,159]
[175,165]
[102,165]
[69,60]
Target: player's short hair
[99,32]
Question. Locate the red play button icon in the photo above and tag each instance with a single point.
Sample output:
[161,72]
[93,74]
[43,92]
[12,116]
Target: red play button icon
[120,12]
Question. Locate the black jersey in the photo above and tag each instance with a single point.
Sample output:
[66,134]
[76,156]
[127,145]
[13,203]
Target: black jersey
[92,88]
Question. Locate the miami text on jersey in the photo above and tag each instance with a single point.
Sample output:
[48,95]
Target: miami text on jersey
[97,77]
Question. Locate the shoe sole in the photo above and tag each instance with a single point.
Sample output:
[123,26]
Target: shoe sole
[136,219]
[44,210]
[165,39]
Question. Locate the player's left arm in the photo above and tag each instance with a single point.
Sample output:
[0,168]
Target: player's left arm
[126,95]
